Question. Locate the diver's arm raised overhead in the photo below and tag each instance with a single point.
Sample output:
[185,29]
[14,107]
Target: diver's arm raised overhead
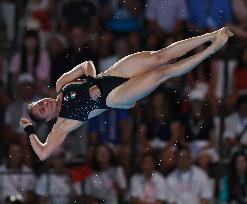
[86,68]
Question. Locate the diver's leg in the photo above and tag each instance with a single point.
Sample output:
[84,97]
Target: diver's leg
[136,88]
[146,61]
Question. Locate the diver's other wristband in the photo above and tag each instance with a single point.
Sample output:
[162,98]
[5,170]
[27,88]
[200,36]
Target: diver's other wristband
[29,129]
[90,81]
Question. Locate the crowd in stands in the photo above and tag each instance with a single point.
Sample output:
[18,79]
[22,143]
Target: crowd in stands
[185,143]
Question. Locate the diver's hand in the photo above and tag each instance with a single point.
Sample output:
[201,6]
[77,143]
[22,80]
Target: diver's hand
[24,122]
[94,92]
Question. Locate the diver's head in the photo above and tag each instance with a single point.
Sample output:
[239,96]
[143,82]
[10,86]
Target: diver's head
[43,110]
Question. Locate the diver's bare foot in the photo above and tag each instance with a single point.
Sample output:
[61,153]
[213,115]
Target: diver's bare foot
[213,35]
[221,39]
[229,32]
[223,29]
[226,30]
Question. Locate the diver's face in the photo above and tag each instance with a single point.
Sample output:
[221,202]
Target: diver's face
[44,108]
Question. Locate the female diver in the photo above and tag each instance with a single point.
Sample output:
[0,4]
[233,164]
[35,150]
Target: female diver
[127,81]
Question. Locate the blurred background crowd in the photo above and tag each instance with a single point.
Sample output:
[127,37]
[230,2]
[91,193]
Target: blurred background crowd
[184,144]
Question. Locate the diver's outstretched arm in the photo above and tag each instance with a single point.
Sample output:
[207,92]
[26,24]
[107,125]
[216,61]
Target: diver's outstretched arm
[54,139]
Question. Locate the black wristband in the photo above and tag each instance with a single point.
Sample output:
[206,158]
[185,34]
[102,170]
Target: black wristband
[90,81]
[29,129]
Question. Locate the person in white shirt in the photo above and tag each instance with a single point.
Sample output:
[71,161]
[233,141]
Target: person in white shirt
[175,13]
[16,179]
[17,109]
[121,49]
[188,183]
[199,128]
[235,132]
[55,187]
[107,183]
[149,186]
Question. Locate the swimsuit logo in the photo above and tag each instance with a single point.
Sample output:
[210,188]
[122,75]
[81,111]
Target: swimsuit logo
[66,98]
[71,95]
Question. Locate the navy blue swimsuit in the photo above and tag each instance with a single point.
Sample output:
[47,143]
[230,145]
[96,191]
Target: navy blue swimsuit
[76,101]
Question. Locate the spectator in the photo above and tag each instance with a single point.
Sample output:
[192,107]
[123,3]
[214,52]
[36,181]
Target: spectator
[2,23]
[153,42]
[112,128]
[189,183]
[175,13]
[13,200]
[83,13]
[3,104]
[235,135]
[122,16]
[106,47]
[44,12]
[55,46]
[149,186]
[159,129]
[3,70]
[30,58]
[210,15]
[200,76]
[199,130]
[5,45]
[107,183]
[55,186]
[16,110]
[238,179]
[240,74]
[121,49]
[36,9]
[4,101]
[167,160]
[16,178]
[240,14]
[221,81]
[8,18]
[77,52]
[210,75]
[76,144]
[27,23]
[135,42]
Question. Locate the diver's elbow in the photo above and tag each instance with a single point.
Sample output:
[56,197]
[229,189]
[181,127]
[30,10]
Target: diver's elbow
[43,155]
